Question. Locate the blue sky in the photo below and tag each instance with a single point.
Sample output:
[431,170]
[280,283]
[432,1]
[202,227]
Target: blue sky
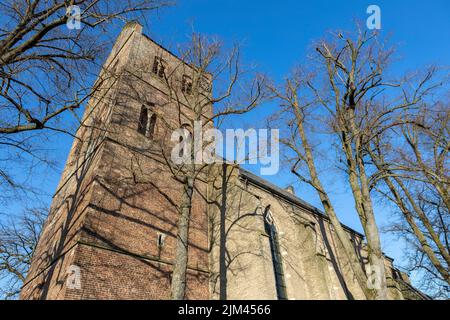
[276,35]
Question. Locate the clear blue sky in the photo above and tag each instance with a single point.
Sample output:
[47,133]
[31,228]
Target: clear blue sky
[276,35]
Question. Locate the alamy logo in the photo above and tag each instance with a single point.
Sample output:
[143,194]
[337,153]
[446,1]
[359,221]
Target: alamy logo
[207,147]
[73,17]
[73,280]
[374,20]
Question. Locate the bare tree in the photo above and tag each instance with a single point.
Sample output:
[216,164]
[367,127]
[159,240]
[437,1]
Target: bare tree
[18,239]
[294,108]
[413,166]
[347,92]
[43,62]
[47,63]
[211,66]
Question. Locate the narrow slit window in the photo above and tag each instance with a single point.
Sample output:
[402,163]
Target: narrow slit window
[161,238]
[147,122]
[143,120]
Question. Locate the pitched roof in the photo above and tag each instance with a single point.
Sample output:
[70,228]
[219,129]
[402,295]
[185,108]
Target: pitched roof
[247,175]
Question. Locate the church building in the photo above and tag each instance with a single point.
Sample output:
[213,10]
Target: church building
[111,231]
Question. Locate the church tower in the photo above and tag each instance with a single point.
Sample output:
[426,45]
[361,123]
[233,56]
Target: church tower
[112,226]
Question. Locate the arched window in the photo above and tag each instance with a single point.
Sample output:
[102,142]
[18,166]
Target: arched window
[277,261]
[147,122]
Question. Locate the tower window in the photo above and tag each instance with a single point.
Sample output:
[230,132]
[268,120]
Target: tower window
[147,122]
[159,67]
[186,84]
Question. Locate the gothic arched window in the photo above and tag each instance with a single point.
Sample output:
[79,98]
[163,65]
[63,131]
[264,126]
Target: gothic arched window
[271,231]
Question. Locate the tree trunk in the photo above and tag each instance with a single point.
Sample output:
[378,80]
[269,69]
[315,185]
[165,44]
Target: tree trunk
[376,256]
[363,201]
[376,259]
[178,285]
[341,233]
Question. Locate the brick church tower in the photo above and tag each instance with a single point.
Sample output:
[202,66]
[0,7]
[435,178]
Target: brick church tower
[112,226]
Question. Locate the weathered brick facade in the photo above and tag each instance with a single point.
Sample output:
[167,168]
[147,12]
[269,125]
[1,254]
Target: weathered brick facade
[113,217]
